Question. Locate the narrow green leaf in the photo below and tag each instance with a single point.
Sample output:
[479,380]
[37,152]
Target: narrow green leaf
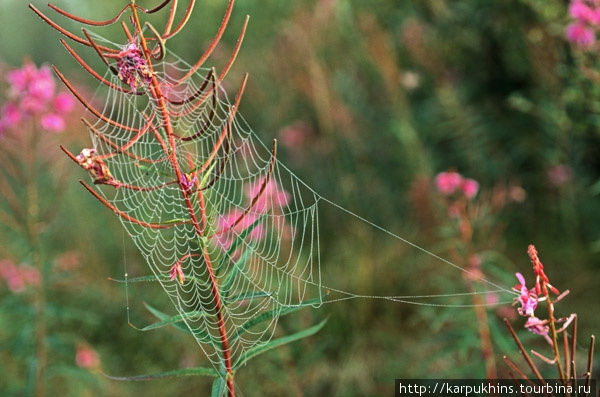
[218,387]
[198,371]
[177,319]
[268,315]
[180,325]
[207,174]
[162,316]
[259,349]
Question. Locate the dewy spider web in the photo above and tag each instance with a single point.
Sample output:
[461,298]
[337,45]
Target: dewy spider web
[278,239]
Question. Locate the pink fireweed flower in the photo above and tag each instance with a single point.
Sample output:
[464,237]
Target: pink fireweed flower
[528,298]
[295,135]
[89,161]
[188,182]
[584,13]
[580,35]
[18,278]
[32,93]
[176,272]
[448,182]
[272,197]
[539,327]
[52,122]
[63,103]
[226,223]
[10,116]
[470,187]
[133,67]
[86,357]
[541,280]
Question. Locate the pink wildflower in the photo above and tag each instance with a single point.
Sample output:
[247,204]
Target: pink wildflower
[470,187]
[295,135]
[11,114]
[177,272]
[42,85]
[528,298]
[226,223]
[187,182]
[538,326]
[32,93]
[52,122]
[63,103]
[272,197]
[538,269]
[86,357]
[132,66]
[9,117]
[448,182]
[18,278]
[582,12]
[580,34]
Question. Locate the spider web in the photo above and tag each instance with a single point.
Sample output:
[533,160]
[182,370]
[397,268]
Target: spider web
[267,263]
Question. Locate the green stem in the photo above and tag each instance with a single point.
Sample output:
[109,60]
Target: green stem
[32,233]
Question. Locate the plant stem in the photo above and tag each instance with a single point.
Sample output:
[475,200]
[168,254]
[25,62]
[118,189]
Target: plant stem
[31,231]
[561,374]
[483,328]
[158,96]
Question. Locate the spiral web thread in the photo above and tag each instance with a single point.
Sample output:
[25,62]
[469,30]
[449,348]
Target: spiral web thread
[281,251]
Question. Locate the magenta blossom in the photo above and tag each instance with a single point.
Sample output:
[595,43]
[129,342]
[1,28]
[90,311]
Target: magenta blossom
[584,13]
[228,229]
[187,182]
[448,182]
[32,94]
[580,35]
[528,298]
[18,278]
[63,103]
[52,122]
[86,357]
[470,188]
[176,272]
[271,197]
[538,327]
[9,116]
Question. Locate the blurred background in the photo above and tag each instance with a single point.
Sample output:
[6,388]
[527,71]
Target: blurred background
[370,100]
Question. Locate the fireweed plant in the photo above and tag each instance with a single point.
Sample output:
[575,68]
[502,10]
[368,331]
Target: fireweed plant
[228,231]
[470,230]
[550,327]
[35,115]
[168,151]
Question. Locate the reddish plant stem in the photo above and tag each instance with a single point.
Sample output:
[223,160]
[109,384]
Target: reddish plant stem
[536,372]
[552,321]
[88,21]
[160,99]
[487,350]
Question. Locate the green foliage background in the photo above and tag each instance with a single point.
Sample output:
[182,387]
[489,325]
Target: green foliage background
[501,97]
